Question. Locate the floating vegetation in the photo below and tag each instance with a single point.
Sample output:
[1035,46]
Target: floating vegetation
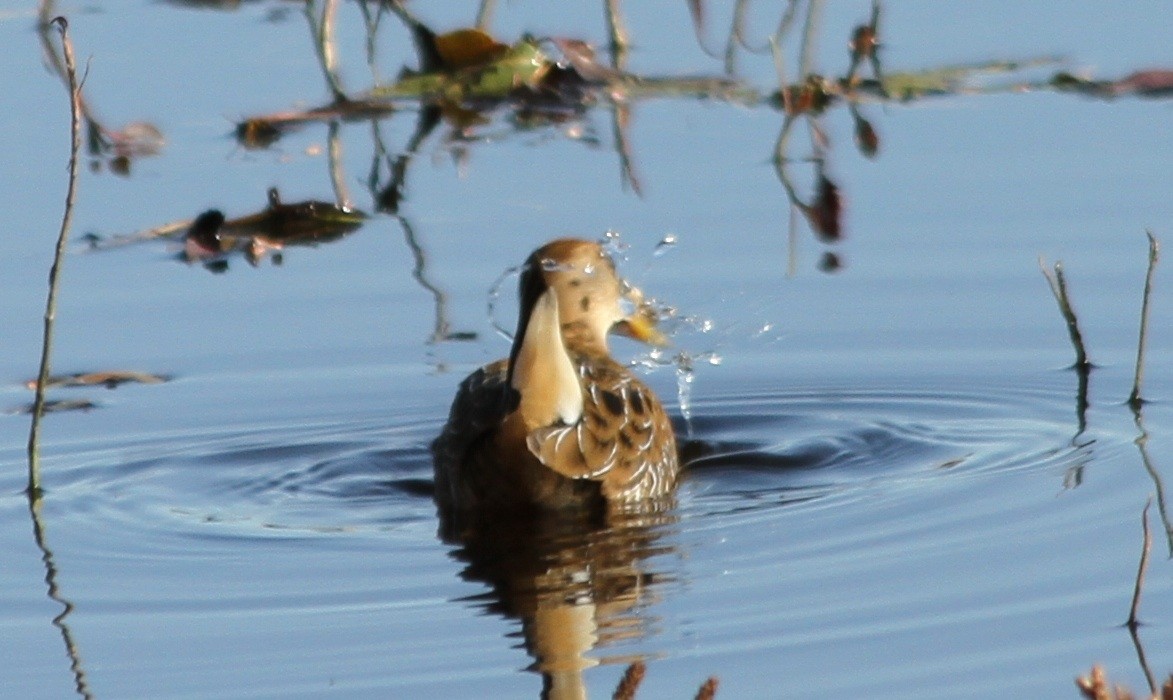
[56,406]
[109,379]
[211,239]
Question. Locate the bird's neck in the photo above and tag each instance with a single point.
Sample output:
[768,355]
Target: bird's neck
[543,373]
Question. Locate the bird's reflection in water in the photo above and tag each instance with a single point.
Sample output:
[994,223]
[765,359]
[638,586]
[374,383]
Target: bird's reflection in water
[575,581]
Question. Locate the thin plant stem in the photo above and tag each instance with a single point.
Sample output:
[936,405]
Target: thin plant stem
[1142,445]
[337,175]
[485,14]
[1058,283]
[322,30]
[371,23]
[617,33]
[1134,399]
[806,51]
[34,490]
[1133,621]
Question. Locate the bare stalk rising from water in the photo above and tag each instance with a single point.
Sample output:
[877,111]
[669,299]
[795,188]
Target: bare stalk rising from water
[34,475]
[1058,284]
[34,491]
[1135,399]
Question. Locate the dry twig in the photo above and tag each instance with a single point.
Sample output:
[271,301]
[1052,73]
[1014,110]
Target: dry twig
[1058,284]
[1135,399]
[34,472]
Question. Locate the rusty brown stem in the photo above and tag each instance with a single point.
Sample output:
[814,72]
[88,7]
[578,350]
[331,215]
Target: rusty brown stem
[629,683]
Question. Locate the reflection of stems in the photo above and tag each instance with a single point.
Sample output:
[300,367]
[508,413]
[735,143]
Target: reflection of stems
[1135,399]
[324,45]
[371,22]
[1142,444]
[1142,660]
[485,14]
[618,34]
[1081,403]
[807,50]
[441,330]
[1058,284]
[387,196]
[1134,622]
[621,108]
[34,490]
[621,121]
[79,675]
[737,33]
[337,176]
[387,199]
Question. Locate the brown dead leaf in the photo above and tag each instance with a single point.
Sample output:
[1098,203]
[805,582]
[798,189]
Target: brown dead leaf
[465,48]
[866,137]
[1148,83]
[825,212]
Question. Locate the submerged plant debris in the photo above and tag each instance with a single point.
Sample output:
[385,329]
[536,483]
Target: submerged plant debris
[111,379]
[57,406]
[212,239]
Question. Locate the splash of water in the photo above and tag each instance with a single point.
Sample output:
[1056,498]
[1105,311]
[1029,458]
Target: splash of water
[666,243]
[494,295]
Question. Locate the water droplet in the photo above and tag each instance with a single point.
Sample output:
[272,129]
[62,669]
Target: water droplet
[613,246]
[494,295]
[666,243]
[551,265]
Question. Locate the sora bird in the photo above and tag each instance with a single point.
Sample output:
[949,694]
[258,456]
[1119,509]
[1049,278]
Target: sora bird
[559,423]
